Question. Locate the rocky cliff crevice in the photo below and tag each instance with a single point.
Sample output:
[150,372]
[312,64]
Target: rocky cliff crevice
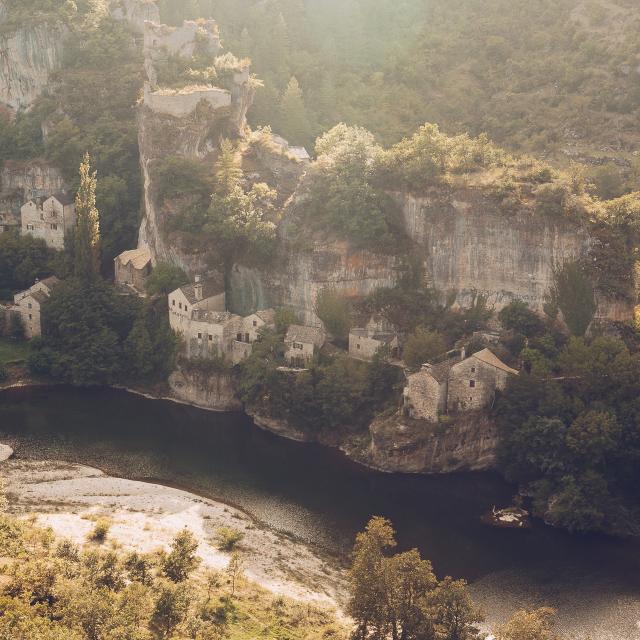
[29,54]
[215,392]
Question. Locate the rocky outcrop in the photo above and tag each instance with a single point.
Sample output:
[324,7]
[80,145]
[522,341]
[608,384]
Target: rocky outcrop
[34,179]
[467,443]
[29,53]
[469,246]
[214,392]
[136,12]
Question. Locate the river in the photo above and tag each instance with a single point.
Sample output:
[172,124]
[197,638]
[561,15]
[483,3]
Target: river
[318,495]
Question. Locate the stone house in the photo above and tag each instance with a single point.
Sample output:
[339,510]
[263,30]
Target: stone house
[365,343]
[455,384]
[206,294]
[211,333]
[29,305]
[249,332]
[50,219]
[132,268]
[301,344]
[474,381]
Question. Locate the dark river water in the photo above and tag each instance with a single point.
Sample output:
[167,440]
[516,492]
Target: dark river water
[321,497]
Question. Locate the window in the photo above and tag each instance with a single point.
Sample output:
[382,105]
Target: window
[30,317]
[239,337]
[180,304]
[54,227]
[473,369]
[298,345]
[173,302]
[199,336]
[472,383]
[29,227]
[255,323]
[210,338]
[29,305]
[357,346]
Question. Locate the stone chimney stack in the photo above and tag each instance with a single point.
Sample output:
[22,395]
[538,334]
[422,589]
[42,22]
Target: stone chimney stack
[463,354]
[197,288]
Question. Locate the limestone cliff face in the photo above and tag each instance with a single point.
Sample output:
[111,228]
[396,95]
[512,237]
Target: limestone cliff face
[28,56]
[296,282]
[469,246]
[402,445]
[208,392]
[32,179]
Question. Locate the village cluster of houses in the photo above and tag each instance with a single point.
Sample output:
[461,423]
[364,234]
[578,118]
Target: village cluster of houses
[451,383]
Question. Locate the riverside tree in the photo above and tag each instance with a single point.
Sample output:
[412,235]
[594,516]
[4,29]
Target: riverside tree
[397,596]
[87,231]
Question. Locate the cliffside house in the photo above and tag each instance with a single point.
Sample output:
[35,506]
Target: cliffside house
[206,294]
[455,384]
[132,268]
[365,343]
[299,153]
[249,332]
[211,333]
[50,219]
[301,344]
[29,305]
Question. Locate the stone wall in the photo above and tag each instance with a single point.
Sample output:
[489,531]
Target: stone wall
[181,103]
[424,397]
[472,385]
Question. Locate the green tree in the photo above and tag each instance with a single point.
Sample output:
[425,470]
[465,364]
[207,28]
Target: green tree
[529,625]
[295,125]
[518,316]
[181,559]
[170,609]
[455,616]
[335,312]
[164,279]
[87,232]
[574,296]
[422,346]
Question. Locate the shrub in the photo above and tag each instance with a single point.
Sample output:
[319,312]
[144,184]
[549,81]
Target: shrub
[422,346]
[181,560]
[228,538]
[518,317]
[100,531]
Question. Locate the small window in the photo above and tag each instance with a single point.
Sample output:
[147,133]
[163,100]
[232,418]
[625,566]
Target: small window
[357,346]
[29,305]
[239,337]
[199,336]
[54,227]
[473,369]
[210,338]
[472,383]
[255,323]
[30,317]
[173,303]
[180,304]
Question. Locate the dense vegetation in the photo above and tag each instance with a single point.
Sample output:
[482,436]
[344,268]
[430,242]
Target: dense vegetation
[90,106]
[466,64]
[569,425]
[91,334]
[335,395]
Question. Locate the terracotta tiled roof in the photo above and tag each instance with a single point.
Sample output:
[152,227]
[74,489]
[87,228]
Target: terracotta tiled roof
[139,258]
[488,357]
[211,287]
[308,335]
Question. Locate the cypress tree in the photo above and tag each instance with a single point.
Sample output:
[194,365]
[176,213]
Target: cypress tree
[87,234]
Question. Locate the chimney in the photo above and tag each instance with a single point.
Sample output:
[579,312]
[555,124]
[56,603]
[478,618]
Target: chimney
[463,354]
[197,288]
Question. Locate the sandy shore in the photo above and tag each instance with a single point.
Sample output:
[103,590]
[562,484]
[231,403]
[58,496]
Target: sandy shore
[68,498]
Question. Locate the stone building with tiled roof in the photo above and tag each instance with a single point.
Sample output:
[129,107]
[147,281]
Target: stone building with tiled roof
[204,294]
[29,305]
[454,384]
[132,268]
[50,219]
[301,344]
